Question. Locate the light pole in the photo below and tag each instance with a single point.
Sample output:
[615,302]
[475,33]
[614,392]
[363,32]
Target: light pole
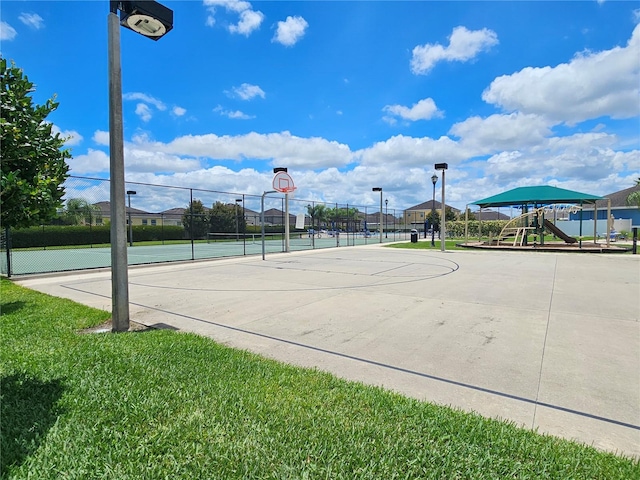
[129,193]
[379,189]
[443,230]
[238,200]
[386,214]
[311,210]
[434,180]
[152,20]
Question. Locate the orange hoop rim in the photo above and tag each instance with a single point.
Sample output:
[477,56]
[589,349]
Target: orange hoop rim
[286,189]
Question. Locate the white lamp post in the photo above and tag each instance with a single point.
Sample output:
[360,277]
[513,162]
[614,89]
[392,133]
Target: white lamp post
[443,230]
[434,180]
[129,193]
[379,189]
[238,200]
[152,20]
[386,215]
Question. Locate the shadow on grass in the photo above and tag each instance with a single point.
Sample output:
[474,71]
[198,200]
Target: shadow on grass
[7,308]
[27,411]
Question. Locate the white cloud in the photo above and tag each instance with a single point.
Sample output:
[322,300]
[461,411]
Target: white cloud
[71,137]
[145,98]
[179,111]
[279,148]
[7,32]
[93,161]
[423,110]
[463,45]
[246,91]
[32,20]
[237,6]
[101,137]
[249,20]
[591,85]
[500,132]
[403,151]
[233,114]
[144,112]
[141,160]
[290,31]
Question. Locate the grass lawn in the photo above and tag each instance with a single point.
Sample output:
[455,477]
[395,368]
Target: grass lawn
[161,404]
[426,245]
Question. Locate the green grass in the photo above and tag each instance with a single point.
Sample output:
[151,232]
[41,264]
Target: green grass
[161,404]
[426,245]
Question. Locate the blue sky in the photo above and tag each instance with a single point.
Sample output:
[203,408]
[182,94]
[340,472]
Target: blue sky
[348,95]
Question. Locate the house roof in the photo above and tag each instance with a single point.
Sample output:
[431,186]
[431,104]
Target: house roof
[430,204]
[490,215]
[539,195]
[105,209]
[618,199]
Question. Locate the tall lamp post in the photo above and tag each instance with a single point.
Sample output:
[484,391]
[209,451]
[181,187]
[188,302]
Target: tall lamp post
[386,215]
[379,189]
[152,20]
[129,193]
[238,200]
[443,230]
[434,180]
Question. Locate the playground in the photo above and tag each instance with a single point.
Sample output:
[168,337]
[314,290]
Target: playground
[529,230]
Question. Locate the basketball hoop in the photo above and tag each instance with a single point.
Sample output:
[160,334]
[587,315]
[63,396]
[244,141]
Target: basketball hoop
[283,183]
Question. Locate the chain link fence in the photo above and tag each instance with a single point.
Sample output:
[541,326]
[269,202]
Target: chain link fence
[168,223]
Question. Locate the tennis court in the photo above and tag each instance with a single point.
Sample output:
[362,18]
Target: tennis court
[30,261]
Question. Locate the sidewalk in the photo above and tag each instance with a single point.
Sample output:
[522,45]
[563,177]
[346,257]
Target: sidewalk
[550,341]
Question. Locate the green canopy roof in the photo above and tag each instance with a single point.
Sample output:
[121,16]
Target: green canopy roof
[540,195]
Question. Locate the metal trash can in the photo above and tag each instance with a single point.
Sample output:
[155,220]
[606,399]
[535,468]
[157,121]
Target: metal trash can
[414,235]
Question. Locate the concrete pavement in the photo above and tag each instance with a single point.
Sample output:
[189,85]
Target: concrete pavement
[550,341]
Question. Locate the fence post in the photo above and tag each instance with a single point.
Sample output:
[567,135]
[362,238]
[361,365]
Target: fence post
[7,239]
[191,222]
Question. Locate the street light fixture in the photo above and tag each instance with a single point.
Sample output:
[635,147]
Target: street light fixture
[386,215]
[379,189]
[151,20]
[129,193]
[443,230]
[434,180]
[147,18]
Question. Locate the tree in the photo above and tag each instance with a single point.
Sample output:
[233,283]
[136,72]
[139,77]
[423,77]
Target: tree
[633,199]
[34,164]
[318,214]
[468,215]
[341,217]
[79,211]
[223,218]
[195,220]
[450,215]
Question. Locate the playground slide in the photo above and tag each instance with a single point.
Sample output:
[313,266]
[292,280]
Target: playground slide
[558,233]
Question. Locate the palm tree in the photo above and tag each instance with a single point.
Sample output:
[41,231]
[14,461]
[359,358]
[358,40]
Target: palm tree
[633,199]
[317,213]
[79,211]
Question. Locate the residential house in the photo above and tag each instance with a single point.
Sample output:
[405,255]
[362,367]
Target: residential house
[619,208]
[415,217]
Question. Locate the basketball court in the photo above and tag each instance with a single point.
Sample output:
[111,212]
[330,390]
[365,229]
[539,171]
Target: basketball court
[550,341]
